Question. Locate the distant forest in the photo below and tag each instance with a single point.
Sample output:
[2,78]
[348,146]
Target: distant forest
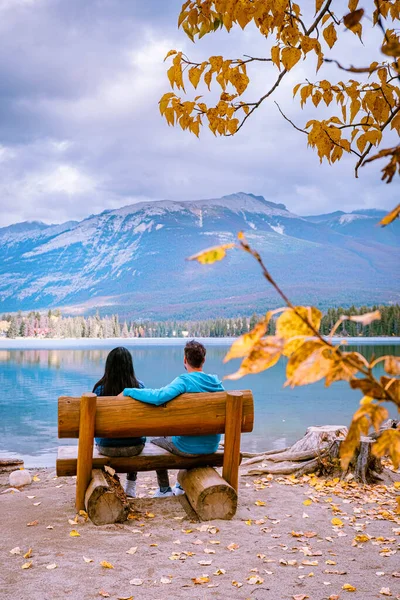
[54,325]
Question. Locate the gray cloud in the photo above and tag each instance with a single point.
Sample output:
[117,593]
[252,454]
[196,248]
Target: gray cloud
[81,131]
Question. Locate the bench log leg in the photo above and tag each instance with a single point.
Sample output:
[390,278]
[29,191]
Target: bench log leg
[233,425]
[210,496]
[87,417]
[106,503]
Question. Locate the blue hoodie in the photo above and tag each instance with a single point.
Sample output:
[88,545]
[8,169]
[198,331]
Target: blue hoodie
[193,382]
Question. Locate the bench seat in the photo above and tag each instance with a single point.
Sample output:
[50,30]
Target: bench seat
[151,458]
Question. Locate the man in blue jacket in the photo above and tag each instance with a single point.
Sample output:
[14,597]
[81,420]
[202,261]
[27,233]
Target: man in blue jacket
[194,380]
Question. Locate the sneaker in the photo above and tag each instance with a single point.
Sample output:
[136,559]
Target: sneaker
[178,490]
[130,488]
[166,494]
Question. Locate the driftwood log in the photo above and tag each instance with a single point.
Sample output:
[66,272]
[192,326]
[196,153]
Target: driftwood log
[10,464]
[318,452]
[105,499]
[210,496]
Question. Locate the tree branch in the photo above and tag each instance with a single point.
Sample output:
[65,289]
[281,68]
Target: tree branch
[369,147]
[312,27]
[289,121]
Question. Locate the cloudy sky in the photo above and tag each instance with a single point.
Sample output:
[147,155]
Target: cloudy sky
[80,130]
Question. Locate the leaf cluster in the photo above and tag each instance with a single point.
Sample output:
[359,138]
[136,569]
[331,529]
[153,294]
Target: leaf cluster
[312,357]
[365,108]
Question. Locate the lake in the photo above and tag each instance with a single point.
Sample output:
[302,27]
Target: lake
[32,378]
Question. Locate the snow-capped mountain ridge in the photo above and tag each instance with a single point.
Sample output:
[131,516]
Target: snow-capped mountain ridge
[133,258]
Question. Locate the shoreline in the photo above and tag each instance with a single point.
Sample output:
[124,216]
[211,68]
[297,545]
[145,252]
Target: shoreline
[94,343]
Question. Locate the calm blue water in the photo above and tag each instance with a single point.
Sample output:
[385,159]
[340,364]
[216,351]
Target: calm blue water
[32,380]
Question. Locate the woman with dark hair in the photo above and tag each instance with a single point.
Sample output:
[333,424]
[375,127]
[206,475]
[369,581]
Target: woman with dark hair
[118,375]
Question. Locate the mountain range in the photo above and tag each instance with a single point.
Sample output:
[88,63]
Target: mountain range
[132,260]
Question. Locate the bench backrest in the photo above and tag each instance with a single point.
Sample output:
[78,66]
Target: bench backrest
[188,414]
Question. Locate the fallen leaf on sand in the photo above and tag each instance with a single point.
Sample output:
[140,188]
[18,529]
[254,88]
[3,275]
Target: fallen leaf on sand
[307,502]
[136,581]
[209,551]
[74,533]
[106,565]
[32,524]
[16,550]
[28,554]
[219,572]
[200,580]
[395,574]
[104,594]
[132,550]
[310,563]
[87,560]
[205,563]
[51,567]
[49,527]
[37,503]
[385,591]
[165,580]
[27,565]
[349,588]
[300,597]
[254,580]
[233,547]
[35,478]
[333,597]
[337,522]
[83,513]
[31,497]
[237,584]
[259,503]
[125,598]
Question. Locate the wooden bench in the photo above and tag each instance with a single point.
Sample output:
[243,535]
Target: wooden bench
[90,416]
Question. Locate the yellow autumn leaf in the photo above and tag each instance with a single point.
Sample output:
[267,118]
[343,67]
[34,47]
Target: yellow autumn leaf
[366,318]
[263,355]
[170,53]
[389,218]
[211,255]
[349,588]
[289,57]
[337,522]
[74,533]
[392,365]
[259,503]
[35,478]
[297,321]
[27,565]
[243,345]
[200,580]
[28,554]
[330,35]
[106,565]
[388,443]
[307,502]
[391,48]
[396,485]
[275,55]
[352,19]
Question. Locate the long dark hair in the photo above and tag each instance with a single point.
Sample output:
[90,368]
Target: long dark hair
[118,373]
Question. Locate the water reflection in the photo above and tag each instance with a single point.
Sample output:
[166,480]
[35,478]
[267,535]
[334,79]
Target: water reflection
[32,380]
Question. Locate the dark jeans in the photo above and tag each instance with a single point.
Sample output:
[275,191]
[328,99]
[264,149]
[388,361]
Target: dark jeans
[167,444]
[113,452]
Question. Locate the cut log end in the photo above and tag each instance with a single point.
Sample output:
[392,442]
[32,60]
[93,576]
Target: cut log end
[105,500]
[210,496]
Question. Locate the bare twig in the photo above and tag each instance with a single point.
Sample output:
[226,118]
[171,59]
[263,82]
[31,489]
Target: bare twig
[368,148]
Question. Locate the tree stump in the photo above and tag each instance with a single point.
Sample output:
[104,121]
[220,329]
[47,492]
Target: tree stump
[365,466]
[303,457]
[210,496]
[105,499]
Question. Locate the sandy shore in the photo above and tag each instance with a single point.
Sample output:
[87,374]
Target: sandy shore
[282,544]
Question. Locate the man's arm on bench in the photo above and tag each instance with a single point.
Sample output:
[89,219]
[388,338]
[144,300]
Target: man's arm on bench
[157,397]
